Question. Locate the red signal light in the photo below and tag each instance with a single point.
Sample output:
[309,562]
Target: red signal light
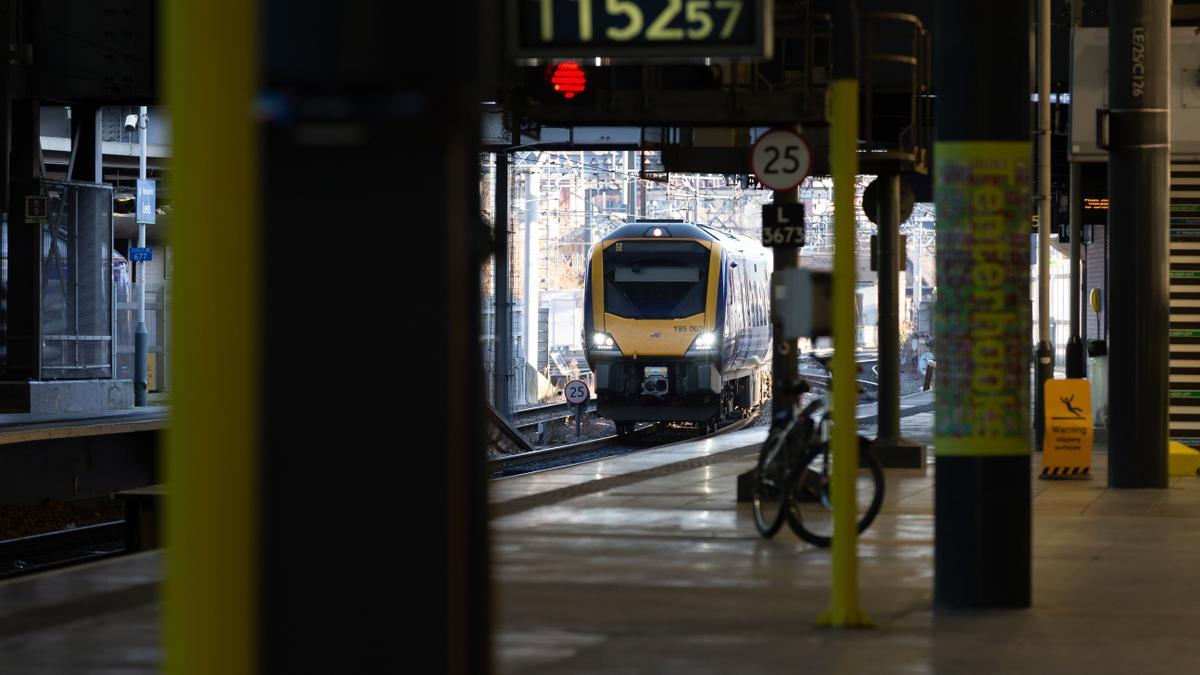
[568,79]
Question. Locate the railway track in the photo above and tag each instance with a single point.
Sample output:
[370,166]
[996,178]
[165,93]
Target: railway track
[527,418]
[40,552]
[518,463]
[645,438]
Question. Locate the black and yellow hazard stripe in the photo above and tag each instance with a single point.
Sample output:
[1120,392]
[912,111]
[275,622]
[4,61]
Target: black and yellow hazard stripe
[1065,471]
[211,460]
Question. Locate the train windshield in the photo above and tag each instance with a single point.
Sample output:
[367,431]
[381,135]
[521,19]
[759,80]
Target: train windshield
[655,279]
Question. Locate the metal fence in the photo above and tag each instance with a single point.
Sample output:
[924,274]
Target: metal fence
[158,325]
[1060,314]
[76,283]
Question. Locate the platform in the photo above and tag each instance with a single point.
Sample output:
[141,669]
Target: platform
[646,564]
[61,396]
[21,427]
[102,617]
[65,456]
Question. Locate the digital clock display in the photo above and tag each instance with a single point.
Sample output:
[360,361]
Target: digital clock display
[642,28]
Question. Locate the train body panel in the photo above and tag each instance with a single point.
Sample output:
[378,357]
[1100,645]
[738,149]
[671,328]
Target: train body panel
[654,337]
[676,322]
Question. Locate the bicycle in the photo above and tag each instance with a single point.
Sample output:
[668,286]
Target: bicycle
[794,466]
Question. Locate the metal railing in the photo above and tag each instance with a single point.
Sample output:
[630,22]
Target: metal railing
[158,323]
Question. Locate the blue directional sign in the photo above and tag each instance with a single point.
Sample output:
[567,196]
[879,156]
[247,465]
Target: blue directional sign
[139,254]
[145,201]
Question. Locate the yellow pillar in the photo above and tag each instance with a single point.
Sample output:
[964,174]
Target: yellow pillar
[210,71]
[844,609]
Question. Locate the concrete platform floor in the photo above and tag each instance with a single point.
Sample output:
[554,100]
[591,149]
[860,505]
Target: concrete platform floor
[646,564]
[98,618]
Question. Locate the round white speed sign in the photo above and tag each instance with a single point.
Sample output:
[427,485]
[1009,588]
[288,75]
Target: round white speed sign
[780,159]
[576,391]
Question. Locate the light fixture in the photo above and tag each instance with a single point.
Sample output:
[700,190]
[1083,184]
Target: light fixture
[568,79]
[604,342]
[704,343]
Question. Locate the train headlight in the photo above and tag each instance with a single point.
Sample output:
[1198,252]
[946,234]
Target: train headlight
[705,343]
[603,342]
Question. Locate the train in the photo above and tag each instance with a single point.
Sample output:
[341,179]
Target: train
[677,323]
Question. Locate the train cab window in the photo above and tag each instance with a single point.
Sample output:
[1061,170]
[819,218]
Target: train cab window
[655,279]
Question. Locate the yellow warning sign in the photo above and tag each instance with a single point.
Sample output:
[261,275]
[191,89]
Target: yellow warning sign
[1067,443]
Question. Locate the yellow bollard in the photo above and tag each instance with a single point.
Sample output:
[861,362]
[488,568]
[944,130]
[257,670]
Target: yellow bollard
[844,609]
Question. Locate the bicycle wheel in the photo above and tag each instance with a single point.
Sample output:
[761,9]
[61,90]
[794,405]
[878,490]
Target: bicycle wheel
[810,506]
[770,476]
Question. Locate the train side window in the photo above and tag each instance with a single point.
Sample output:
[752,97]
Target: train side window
[762,310]
[747,305]
[757,304]
[754,304]
[765,292]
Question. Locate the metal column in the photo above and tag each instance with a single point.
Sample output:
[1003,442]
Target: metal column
[889,317]
[1044,348]
[631,169]
[141,336]
[918,285]
[784,362]
[503,302]
[891,449]
[1138,179]
[532,281]
[982,500]
[86,148]
[1076,361]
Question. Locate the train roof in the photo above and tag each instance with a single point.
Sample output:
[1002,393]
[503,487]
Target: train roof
[678,229]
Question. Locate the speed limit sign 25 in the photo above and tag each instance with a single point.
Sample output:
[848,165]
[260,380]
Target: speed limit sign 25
[577,392]
[780,159]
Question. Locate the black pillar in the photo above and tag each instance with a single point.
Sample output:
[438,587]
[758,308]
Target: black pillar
[982,172]
[889,313]
[368,140]
[24,245]
[784,362]
[1076,356]
[1138,179]
[6,212]
[87,152]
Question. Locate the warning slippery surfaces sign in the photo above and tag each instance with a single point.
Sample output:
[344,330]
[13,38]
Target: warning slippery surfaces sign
[1067,442]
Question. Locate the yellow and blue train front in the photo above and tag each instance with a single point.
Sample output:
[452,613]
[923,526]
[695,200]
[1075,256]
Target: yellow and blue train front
[652,324]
